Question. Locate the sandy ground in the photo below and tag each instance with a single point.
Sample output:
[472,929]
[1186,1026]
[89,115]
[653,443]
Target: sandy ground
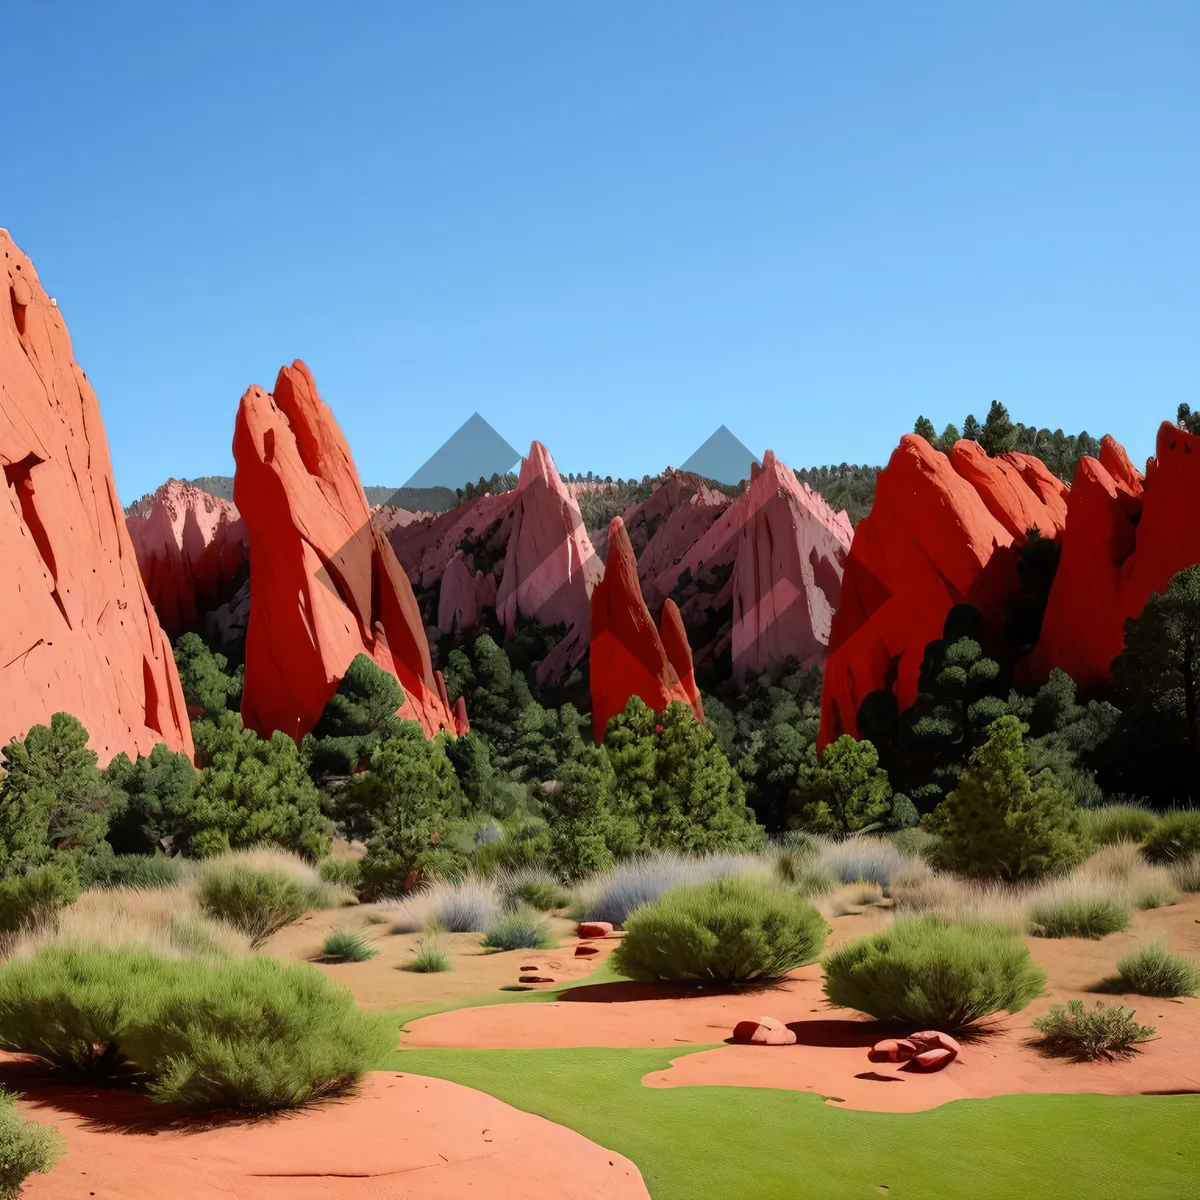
[382,983]
[400,1137]
[830,1055]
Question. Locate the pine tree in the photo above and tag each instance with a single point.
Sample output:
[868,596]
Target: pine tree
[970,429]
[841,790]
[998,434]
[584,830]
[157,788]
[209,687]
[924,428]
[999,821]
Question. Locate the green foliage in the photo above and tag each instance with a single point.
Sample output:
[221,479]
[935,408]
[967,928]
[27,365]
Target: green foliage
[1086,1034]
[585,831]
[924,428]
[52,797]
[673,781]
[107,870]
[1079,916]
[1186,419]
[521,846]
[1155,971]
[928,973]
[432,955]
[251,792]
[359,715]
[1117,823]
[209,687]
[523,929]
[1175,838]
[341,872]
[347,945]
[256,901]
[1001,822]
[999,434]
[534,887]
[158,788]
[25,1147]
[254,1034]
[841,790]
[33,899]
[728,930]
[845,487]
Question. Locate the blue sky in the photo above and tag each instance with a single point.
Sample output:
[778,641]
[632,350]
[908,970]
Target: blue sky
[612,226]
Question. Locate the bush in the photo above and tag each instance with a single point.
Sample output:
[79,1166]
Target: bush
[130,870]
[468,905]
[1185,872]
[24,1147]
[432,956]
[342,872]
[1085,1034]
[868,860]
[1155,971]
[258,902]
[1078,916]
[34,899]
[928,972]
[254,1034]
[347,945]
[522,929]
[723,931]
[1176,837]
[1117,823]
[533,886]
[842,789]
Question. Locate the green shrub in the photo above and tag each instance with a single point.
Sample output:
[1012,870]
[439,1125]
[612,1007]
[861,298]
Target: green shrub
[1185,873]
[1155,971]
[431,956]
[254,1034]
[729,930]
[347,945]
[30,900]
[259,903]
[70,1005]
[535,887]
[1117,823]
[522,929]
[916,841]
[1085,1034]
[1079,916]
[24,1147]
[341,872]
[130,870]
[1176,837]
[926,972]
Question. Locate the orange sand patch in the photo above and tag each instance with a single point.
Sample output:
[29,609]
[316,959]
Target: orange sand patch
[399,1136]
[830,1055]
[381,983]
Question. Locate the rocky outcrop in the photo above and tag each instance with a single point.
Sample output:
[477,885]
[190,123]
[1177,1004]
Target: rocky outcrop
[192,551]
[628,655]
[77,631]
[325,584]
[466,595]
[550,567]
[942,531]
[679,654]
[1125,538]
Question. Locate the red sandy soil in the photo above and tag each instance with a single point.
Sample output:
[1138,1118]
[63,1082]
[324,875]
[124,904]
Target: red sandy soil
[397,1138]
[830,1055]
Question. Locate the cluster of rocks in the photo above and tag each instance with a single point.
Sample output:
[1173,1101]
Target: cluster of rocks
[927,1050]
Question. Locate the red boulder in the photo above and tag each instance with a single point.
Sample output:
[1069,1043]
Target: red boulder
[892,1050]
[764,1031]
[78,633]
[932,1039]
[595,929]
[325,584]
[931,1060]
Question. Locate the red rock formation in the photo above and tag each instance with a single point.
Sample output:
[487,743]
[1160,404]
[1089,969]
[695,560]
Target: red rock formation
[325,585]
[940,533]
[192,551]
[466,595]
[550,567]
[1125,538]
[78,633]
[628,656]
[679,654]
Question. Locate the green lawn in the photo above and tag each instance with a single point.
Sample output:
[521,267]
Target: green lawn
[719,1143]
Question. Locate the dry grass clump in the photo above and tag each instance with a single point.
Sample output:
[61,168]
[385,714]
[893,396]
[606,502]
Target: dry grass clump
[952,898]
[321,892]
[1185,873]
[850,898]
[467,905]
[1120,870]
[868,859]
[166,921]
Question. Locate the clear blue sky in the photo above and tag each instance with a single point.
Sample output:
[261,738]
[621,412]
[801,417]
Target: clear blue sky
[612,226]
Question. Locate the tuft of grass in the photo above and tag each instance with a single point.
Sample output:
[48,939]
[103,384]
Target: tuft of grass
[1155,971]
[1185,873]
[1084,1034]
[258,901]
[522,929]
[347,945]
[533,886]
[131,870]
[467,905]
[25,1147]
[1120,870]
[926,972]
[950,898]
[341,872]
[732,930]
[432,955]
[1112,823]
[1176,837]
[1079,916]
[868,859]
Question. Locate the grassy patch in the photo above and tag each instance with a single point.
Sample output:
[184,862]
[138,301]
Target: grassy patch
[777,1145]
[1155,971]
[347,945]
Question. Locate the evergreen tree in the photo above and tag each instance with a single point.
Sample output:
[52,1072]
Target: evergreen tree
[998,434]
[53,797]
[970,429]
[360,714]
[999,821]
[1186,419]
[946,442]
[924,428]
[157,788]
[841,790]
[584,831]
[209,687]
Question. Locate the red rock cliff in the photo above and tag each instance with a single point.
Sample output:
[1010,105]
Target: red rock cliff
[941,532]
[192,551]
[628,654]
[77,631]
[325,584]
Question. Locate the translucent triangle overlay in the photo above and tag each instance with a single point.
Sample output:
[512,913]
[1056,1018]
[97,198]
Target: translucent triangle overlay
[474,451]
[723,458]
